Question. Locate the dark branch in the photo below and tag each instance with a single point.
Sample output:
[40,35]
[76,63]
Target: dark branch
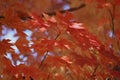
[49,13]
[63,11]
[1,17]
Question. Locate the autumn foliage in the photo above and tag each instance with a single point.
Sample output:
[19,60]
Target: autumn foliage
[58,47]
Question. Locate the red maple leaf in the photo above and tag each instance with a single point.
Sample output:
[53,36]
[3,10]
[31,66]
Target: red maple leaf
[5,46]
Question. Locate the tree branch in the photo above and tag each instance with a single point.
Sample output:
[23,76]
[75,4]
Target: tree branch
[1,17]
[63,11]
[49,13]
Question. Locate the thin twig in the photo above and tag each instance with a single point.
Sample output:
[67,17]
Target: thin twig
[46,54]
[112,21]
[44,57]
[93,74]
[112,13]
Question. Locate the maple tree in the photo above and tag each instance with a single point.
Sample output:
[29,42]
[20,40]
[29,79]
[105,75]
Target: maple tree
[58,47]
